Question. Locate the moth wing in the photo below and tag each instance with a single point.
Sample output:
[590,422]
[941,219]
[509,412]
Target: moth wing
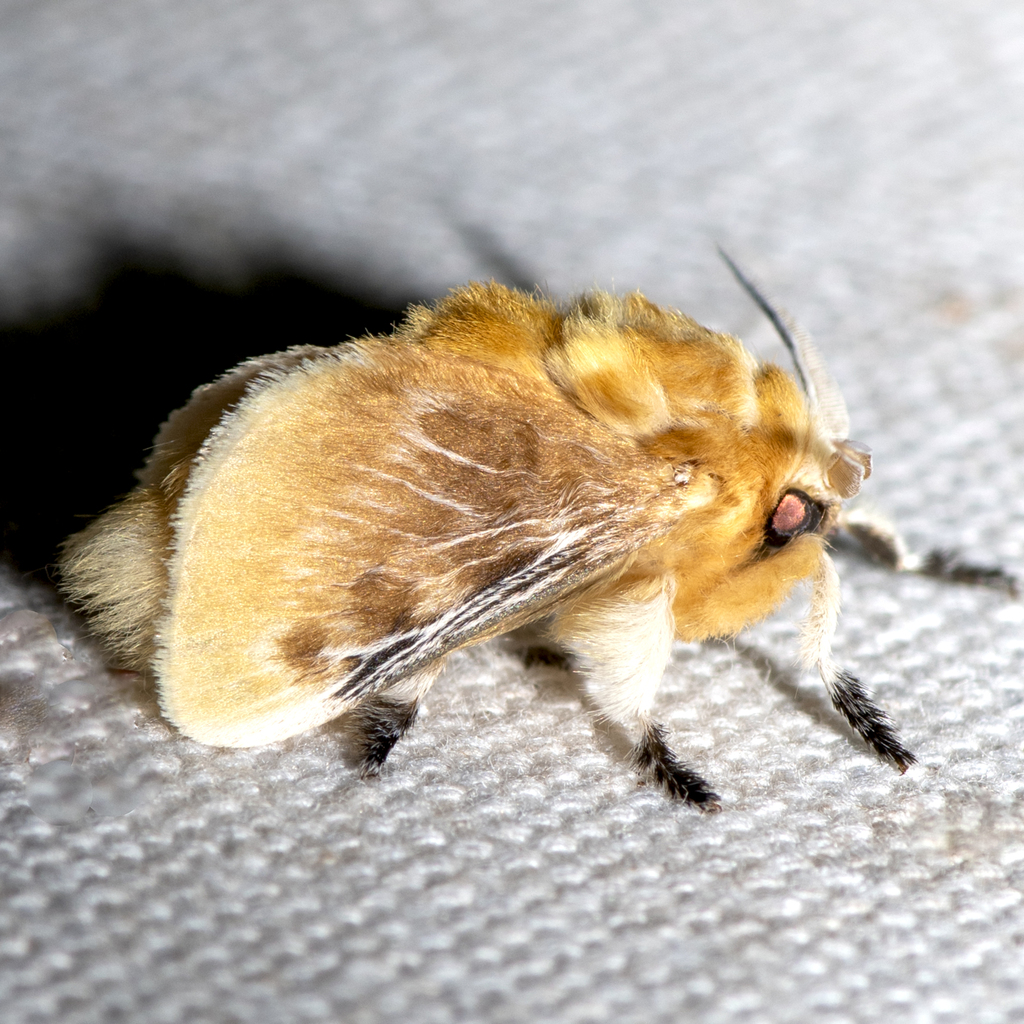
[356,519]
[185,430]
[116,568]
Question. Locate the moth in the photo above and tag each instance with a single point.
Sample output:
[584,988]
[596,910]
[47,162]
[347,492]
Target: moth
[318,529]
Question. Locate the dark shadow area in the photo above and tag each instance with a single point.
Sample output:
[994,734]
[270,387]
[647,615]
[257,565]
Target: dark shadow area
[86,393]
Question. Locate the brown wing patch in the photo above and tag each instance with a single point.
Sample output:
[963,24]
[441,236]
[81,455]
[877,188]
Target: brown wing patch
[303,647]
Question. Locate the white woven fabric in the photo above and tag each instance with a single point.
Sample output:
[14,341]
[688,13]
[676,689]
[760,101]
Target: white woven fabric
[866,159]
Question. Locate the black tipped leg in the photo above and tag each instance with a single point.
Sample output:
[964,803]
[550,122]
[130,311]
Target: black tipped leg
[882,543]
[869,721]
[653,759]
[379,723]
[944,565]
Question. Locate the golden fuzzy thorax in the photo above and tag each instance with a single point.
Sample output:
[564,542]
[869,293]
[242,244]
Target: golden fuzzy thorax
[319,528]
[690,396]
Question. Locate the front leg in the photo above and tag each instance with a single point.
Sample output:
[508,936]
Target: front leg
[623,640]
[882,543]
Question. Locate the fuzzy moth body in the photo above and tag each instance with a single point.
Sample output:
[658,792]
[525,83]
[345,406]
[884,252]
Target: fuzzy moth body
[317,530]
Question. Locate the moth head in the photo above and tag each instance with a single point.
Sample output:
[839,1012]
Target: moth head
[766,463]
[761,455]
[844,465]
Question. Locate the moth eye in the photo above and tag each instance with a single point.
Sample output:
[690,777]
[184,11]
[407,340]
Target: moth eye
[795,514]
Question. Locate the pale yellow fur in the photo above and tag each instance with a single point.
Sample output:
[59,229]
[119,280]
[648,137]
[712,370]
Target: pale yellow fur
[623,641]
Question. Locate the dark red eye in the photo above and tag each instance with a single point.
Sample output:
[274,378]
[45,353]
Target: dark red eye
[795,514]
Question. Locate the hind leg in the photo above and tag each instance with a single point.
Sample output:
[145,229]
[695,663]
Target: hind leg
[382,719]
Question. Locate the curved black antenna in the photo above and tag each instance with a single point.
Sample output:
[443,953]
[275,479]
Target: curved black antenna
[823,394]
[775,316]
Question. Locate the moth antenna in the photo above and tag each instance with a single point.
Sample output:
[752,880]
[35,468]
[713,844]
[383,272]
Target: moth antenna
[820,386]
[846,692]
[780,320]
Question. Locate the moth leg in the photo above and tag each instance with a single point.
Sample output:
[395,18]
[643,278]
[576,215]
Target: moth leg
[877,537]
[945,565]
[867,719]
[623,642]
[382,719]
[847,693]
[653,758]
[880,541]
[534,645]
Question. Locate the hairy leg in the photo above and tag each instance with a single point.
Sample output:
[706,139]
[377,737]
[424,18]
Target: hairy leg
[880,541]
[379,723]
[867,719]
[652,758]
[623,641]
[848,696]
[382,719]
